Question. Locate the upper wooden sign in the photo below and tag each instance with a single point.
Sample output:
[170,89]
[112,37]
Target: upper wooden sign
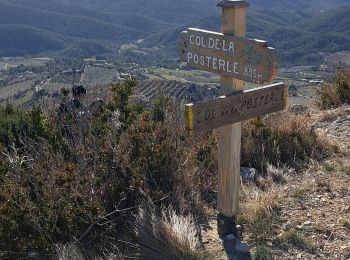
[236,108]
[226,55]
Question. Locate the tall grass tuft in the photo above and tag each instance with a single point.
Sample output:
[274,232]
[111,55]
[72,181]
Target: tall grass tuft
[166,236]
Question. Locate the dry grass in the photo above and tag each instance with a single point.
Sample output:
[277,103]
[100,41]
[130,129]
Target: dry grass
[259,212]
[337,94]
[328,97]
[294,238]
[346,168]
[303,189]
[69,252]
[279,174]
[93,180]
[282,140]
[166,236]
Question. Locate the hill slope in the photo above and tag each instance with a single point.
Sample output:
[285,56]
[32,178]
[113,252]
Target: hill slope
[106,24]
[19,40]
[298,36]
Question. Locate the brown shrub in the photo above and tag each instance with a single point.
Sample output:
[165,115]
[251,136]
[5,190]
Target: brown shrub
[342,83]
[337,94]
[82,182]
[87,186]
[327,97]
[282,139]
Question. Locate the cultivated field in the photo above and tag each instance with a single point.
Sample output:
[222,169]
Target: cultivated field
[150,89]
[32,62]
[99,76]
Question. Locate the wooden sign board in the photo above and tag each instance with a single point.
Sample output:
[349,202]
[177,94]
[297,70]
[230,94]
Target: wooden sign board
[226,55]
[236,108]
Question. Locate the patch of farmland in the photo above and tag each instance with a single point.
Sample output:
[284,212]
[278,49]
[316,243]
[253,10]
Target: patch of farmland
[27,62]
[66,77]
[340,57]
[99,76]
[196,76]
[11,90]
[190,92]
[56,87]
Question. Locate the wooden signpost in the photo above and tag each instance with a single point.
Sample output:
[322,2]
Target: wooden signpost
[236,59]
[236,108]
[231,56]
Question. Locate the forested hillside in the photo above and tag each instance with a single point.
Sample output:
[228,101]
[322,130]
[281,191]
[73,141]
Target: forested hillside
[299,37]
[69,27]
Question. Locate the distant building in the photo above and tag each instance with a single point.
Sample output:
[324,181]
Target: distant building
[324,67]
[292,90]
[316,82]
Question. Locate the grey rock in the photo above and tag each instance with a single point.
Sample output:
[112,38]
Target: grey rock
[335,194]
[300,227]
[287,226]
[307,223]
[248,174]
[298,109]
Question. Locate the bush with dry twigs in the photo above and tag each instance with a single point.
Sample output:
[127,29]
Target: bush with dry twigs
[334,95]
[283,139]
[80,178]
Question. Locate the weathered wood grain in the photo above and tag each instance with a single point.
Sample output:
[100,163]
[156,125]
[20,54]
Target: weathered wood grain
[232,56]
[228,110]
[229,147]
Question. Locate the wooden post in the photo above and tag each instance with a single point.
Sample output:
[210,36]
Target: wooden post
[233,23]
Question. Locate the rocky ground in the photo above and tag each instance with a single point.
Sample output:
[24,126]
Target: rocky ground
[313,216]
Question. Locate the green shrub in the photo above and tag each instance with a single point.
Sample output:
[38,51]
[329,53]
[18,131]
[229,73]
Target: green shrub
[128,111]
[13,123]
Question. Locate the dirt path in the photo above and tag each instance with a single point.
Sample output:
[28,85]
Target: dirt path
[313,220]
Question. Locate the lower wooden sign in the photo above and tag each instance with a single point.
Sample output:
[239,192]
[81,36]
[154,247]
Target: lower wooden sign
[228,110]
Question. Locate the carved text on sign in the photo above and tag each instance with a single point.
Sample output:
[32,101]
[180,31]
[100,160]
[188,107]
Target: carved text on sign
[236,108]
[232,56]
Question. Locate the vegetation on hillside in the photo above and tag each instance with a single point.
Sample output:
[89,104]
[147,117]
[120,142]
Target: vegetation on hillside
[80,177]
[299,37]
[337,94]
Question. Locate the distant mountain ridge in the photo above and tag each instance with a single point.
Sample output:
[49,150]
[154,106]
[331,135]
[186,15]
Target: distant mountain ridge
[71,26]
[298,37]
[315,5]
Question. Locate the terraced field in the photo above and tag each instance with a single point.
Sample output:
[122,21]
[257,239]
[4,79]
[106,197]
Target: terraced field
[66,78]
[99,76]
[15,91]
[340,57]
[149,89]
[197,76]
[28,62]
